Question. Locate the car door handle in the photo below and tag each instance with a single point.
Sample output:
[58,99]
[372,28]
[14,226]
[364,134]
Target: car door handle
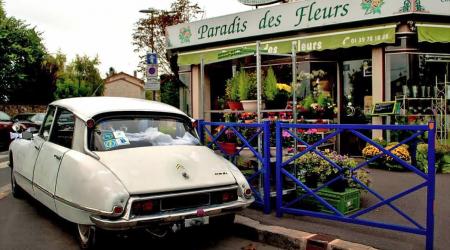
[36,147]
[58,157]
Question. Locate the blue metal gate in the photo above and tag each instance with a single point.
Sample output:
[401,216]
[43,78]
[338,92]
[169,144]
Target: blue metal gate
[282,174]
[262,198]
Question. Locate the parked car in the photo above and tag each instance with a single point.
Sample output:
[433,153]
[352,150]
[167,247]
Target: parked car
[5,128]
[29,120]
[117,163]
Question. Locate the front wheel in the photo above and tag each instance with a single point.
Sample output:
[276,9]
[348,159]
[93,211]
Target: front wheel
[86,235]
[16,191]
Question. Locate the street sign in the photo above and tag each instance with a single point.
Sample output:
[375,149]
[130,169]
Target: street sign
[152,84]
[151,58]
[152,71]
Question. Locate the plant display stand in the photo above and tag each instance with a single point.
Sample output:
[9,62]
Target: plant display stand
[345,202]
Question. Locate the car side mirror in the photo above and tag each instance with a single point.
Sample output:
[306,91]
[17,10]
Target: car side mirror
[16,128]
[27,135]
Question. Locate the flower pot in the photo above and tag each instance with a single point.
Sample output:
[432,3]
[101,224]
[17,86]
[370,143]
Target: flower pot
[251,105]
[338,185]
[311,180]
[246,152]
[235,105]
[228,147]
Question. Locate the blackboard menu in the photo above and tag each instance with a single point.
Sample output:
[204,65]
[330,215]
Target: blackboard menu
[384,108]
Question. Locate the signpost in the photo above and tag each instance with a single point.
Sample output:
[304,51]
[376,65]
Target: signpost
[151,73]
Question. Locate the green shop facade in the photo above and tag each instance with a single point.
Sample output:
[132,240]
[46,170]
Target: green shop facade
[362,54]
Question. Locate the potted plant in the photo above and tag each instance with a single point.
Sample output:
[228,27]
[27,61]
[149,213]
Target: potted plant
[271,90]
[247,90]
[232,93]
[227,140]
[310,166]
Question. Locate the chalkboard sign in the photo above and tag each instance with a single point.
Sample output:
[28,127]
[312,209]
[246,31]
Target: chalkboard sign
[384,108]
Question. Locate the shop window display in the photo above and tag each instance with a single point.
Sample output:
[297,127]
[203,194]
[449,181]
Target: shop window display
[419,83]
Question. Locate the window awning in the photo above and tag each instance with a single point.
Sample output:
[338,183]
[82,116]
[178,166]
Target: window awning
[347,38]
[433,33]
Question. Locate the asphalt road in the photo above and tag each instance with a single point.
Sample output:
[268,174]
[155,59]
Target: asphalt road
[26,224]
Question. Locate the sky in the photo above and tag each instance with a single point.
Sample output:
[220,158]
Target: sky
[99,27]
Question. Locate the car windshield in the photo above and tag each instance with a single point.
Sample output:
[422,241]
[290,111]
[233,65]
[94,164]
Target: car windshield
[4,116]
[38,118]
[141,131]
[23,117]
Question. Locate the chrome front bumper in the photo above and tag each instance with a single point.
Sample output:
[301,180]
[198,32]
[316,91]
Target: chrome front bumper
[168,218]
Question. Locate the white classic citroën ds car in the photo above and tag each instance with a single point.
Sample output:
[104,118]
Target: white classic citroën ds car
[116,163]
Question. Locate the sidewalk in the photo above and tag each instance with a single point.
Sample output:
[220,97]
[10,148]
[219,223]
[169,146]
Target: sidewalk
[286,238]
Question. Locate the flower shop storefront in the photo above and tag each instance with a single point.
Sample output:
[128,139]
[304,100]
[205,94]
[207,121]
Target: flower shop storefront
[275,87]
[310,68]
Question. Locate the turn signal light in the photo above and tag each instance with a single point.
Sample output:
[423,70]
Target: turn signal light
[248,193]
[118,210]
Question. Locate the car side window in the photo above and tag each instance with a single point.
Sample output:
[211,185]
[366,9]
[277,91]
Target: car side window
[62,131]
[47,124]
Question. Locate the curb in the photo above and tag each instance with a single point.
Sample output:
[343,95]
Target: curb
[286,238]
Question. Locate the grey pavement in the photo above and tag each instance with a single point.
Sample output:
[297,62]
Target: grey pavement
[387,184]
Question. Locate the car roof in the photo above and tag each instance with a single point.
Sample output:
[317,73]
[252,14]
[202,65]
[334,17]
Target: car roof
[88,107]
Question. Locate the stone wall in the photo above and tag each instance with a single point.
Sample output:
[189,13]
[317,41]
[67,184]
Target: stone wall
[13,110]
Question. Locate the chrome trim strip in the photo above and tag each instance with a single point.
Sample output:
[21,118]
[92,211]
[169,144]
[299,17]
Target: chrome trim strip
[21,175]
[123,223]
[185,193]
[44,190]
[87,209]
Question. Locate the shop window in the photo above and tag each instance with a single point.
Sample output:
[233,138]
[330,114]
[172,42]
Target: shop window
[317,82]
[413,75]
[417,82]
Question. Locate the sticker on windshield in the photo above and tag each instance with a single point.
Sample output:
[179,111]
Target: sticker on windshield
[107,135]
[110,144]
[119,134]
[122,141]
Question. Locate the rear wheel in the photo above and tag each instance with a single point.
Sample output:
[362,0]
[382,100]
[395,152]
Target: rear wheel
[86,235]
[16,191]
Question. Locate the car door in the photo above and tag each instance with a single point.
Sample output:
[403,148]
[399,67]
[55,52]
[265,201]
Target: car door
[58,142]
[27,152]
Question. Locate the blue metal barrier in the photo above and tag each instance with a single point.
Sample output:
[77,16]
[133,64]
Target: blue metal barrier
[263,129]
[429,178]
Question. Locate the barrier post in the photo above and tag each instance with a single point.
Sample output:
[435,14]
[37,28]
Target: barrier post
[200,131]
[431,185]
[266,166]
[278,181]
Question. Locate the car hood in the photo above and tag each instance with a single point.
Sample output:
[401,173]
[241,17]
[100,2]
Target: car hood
[158,169]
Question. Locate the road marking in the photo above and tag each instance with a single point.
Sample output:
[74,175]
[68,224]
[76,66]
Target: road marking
[4,164]
[5,191]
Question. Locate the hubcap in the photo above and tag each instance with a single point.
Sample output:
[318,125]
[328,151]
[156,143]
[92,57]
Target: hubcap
[84,231]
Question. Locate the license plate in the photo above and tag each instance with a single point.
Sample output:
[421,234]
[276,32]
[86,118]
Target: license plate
[196,221]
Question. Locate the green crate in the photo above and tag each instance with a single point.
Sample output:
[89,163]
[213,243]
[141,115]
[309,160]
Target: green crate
[345,202]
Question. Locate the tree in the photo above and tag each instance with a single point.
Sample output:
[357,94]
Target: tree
[152,30]
[170,90]
[79,78]
[24,77]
